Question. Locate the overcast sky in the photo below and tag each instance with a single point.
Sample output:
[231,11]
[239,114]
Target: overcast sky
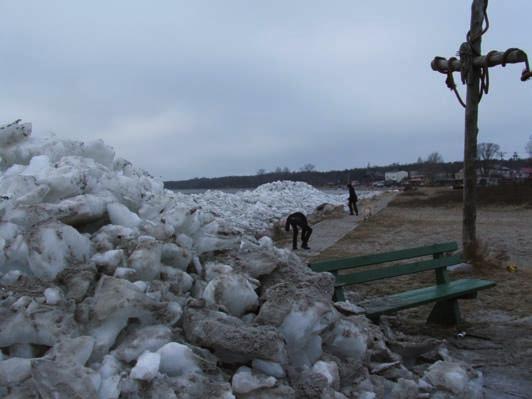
[214,88]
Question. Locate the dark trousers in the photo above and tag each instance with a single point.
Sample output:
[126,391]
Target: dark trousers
[306,232]
[352,204]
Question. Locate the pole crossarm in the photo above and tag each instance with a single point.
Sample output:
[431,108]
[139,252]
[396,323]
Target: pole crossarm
[493,58]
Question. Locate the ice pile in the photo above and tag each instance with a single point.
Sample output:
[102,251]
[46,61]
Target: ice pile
[112,287]
[260,209]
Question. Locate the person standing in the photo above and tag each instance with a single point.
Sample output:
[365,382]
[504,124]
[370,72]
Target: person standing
[352,200]
[296,220]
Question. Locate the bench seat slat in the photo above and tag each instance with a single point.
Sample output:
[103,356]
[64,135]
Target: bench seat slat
[365,260]
[453,289]
[396,270]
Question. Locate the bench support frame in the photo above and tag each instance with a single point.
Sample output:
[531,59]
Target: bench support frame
[445,313]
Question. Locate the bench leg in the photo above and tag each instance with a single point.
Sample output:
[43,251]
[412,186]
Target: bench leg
[339,294]
[445,313]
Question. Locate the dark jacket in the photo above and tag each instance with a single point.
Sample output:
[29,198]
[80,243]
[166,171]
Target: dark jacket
[352,194]
[297,219]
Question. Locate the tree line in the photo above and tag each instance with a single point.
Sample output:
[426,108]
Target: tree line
[431,165]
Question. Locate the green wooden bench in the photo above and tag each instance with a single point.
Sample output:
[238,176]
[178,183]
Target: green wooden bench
[445,292]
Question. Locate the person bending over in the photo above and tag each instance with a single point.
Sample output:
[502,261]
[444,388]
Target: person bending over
[352,200]
[296,220]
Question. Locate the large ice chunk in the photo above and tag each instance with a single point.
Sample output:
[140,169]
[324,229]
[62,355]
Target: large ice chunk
[230,338]
[56,379]
[301,329]
[35,324]
[207,242]
[110,387]
[269,368]
[329,370]
[233,291]
[111,237]
[175,256]
[14,132]
[462,381]
[215,269]
[53,246]
[120,215]
[180,282]
[72,176]
[114,303]
[81,209]
[74,350]
[98,151]
[14,370]
[147,366]
[177,359]
[347,341]
[52,295]
[149,338]
[108,261]
[245,381]
[146,259]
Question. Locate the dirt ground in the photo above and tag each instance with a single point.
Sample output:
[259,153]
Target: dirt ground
[498,323]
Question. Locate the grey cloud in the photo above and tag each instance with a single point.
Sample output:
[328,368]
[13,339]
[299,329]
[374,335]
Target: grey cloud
[214,88]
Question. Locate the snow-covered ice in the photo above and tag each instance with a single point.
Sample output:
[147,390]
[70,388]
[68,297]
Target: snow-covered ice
[147,366]
[177,359]
[52,295]
[112,286]
[245,381]
[259,209]
[233,291]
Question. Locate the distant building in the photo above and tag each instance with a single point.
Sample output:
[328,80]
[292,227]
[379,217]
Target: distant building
[443,178]
[498,174]
[416,178]
[397,176]
[501,172]
[524,174]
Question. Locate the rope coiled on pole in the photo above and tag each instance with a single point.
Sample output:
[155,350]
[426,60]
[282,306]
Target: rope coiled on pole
[467,53]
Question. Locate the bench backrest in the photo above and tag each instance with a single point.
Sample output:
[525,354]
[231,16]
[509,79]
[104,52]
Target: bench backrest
[366,260]
[439,261]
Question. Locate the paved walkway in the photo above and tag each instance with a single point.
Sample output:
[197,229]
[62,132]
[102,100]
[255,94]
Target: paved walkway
[329,231]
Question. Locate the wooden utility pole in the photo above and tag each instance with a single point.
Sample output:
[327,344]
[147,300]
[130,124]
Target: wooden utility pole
[474,70]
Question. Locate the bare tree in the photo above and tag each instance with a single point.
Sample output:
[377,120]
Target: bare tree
[529,146]
[278,170]
[308,167]
[286,170]
[261,172]
[435,157]
[486,152]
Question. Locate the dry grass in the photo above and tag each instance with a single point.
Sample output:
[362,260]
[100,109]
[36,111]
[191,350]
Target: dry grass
[502,314]
[505,238]
[482,256]
[503,195]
